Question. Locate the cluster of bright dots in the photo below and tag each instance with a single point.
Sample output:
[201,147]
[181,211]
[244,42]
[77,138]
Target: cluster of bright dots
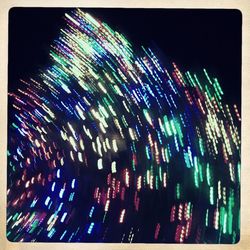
[109,145]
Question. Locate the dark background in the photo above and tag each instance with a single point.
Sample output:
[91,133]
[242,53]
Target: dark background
[193,38]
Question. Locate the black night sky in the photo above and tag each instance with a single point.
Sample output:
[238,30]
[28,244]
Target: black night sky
[194,39]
